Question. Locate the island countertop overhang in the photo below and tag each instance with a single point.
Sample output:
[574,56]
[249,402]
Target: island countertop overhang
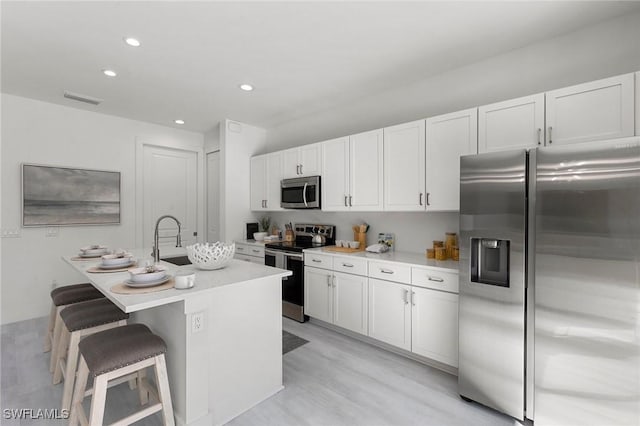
[206,281]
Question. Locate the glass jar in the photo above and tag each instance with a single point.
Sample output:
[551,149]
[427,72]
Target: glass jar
[455,253]
[431,253]
[441,253]
[451,240]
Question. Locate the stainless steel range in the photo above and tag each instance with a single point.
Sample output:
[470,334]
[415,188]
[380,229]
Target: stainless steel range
[289,255]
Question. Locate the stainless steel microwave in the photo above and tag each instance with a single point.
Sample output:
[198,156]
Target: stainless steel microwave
[300,193]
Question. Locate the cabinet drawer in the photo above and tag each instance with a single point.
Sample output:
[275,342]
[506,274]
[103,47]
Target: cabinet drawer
[323,261]
[435,279]
[350,265]
[390,271]
[242,248]
[255,251]
[243,257]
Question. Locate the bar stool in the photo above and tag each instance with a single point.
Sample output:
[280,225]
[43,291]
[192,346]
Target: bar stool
[81,320]
[62,297]
[114,354]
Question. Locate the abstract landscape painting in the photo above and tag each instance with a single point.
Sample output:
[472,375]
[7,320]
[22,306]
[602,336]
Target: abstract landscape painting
[65,196]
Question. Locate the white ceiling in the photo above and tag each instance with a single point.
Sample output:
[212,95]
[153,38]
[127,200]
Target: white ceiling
[302,57]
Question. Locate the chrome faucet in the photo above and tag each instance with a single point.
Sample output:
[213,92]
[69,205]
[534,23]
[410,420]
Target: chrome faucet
[155,251]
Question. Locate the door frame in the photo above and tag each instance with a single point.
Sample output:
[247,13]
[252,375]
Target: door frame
[206,192]
[141,142]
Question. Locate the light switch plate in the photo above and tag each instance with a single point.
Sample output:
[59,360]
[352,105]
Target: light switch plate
[11,233]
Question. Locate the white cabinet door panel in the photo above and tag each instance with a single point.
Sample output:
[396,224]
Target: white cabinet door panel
[350,302]
[448,137]
[335,174]
[602,109]
[318,293]
[258,188]
[513,124]
[404,167]
[435,325]
[390,313]
[290,163]
[366,171]
[310,157]
[273,178]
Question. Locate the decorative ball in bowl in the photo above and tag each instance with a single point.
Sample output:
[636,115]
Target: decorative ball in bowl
[211,255]
[259,236]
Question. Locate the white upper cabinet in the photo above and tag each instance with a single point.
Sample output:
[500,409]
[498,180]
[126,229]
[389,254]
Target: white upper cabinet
[513,124]
[266,173]
[302,161]
[335,174]
[366,171]
[602,109]
[404,167]
[352,173]
[447,138]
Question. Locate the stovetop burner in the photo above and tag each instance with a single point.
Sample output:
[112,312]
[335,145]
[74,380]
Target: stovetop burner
[304,237]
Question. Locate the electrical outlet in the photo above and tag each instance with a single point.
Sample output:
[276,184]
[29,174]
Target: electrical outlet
[51,231]
[197,322]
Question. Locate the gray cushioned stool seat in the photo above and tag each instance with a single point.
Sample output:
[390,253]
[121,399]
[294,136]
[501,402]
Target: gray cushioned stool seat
[91,314]
[118,347]
[74,293]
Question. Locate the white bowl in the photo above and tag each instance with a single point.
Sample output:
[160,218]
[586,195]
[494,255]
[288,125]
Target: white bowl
[114,259]
[259,236]
[211,255]
[354,244]
[140,275]
[95,250]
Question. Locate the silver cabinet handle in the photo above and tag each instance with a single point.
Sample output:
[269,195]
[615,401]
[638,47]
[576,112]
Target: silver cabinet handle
[345,201]
[428,199]
[413,298]
[328,280]
[539,133]
[333,281]
[550,139]
[420,199]
[239,248]
[301,169]
[347,265]
[386,271]
[350,197]
[255,251]
[406,297]
[438,280]
[316,260]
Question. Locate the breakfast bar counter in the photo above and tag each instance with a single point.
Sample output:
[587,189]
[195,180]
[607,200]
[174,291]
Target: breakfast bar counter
[224,335]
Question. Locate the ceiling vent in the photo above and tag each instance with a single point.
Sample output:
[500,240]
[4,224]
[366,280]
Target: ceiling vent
[82,98]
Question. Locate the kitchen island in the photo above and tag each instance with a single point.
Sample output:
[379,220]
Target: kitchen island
[224,335]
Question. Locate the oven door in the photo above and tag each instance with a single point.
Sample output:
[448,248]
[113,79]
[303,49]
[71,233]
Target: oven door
[300,193]
[292,286]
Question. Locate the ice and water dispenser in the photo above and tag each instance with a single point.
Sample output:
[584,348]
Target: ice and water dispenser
[490,261]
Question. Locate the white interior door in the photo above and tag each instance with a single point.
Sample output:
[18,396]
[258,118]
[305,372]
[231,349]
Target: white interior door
[169,186]
[213,196]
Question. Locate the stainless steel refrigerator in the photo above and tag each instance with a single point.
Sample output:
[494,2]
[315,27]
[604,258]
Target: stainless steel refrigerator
[549,308]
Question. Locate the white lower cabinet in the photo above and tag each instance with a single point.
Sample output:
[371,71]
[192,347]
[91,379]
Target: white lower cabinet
[249,253]
[434,325]
[336,298]
[390,313]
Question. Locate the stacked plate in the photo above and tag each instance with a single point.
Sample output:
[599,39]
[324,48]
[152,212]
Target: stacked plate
[95,250]
[117,261]
[147,276]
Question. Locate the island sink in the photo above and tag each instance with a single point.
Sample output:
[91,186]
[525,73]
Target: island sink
[177,260]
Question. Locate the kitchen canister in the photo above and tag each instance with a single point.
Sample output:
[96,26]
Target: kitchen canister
[437,243]
[431,253]
[441,253]
[455,253]
[451,240]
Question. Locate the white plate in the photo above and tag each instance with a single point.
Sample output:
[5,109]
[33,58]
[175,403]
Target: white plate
[89,250]
[89,256]
[113,260]
[159,281]
[139,275]
[126,265]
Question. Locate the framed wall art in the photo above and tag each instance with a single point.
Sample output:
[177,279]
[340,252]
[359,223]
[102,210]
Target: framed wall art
[64,196]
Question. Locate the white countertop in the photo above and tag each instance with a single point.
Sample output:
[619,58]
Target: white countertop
[256,243]
[237,271]
[414,259]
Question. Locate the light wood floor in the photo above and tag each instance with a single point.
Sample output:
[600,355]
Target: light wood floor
[332,380]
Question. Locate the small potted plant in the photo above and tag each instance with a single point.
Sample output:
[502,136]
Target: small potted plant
[265,225]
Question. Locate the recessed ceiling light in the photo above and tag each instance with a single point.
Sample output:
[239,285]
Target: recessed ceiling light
[109,73]
[178,121]
[246,87]
[132,41]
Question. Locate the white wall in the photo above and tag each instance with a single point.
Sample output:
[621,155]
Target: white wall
[238,143]
[603,50]
[43,133]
